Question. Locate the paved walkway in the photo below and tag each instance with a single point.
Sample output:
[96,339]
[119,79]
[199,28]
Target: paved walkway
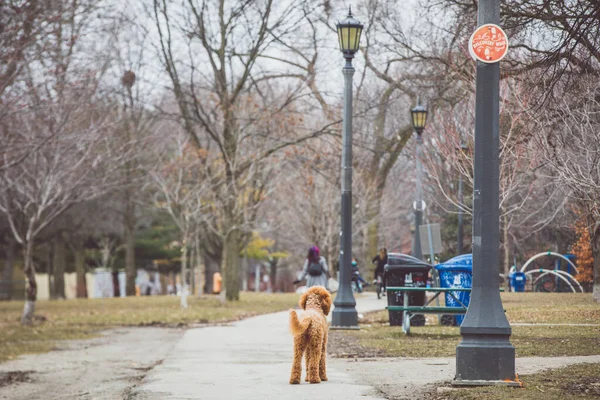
[249,359]
[246,360]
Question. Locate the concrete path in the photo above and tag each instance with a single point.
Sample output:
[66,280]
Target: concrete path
[249,359]
[406,378]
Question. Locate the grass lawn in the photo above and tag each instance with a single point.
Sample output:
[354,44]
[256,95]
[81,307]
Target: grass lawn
[537,308]
[84,318]
[580,381]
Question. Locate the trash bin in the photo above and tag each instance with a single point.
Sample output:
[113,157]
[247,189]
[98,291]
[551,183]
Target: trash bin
[405,270]
[517,281]
[457,273]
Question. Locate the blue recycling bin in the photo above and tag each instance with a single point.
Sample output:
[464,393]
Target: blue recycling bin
[517,281]
[457,273]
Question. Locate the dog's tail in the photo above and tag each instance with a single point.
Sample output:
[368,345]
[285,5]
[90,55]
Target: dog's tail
[296,326]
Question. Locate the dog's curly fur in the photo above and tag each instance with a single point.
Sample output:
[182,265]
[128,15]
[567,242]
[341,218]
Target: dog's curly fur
[310,335]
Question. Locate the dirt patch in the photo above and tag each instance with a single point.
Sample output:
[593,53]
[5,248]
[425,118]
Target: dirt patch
[341,345]
[9,378]
[587,386]
[161,324]
[104,368]
[134,381]
[579,381]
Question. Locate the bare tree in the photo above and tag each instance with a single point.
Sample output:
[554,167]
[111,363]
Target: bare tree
[181,191]
[68,170]
[62,111]
[557,40]
[529,200]
[23,25]
[568,134]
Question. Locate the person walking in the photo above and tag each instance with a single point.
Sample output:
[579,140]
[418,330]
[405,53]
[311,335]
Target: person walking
[315,269]
[380,260]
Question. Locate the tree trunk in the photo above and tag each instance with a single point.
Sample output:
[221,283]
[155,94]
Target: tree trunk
[273,274]
[50,270]
[184,273]
[129,222]
[184,252]
[58,264]
[199,283]
[79,254]
[231,258]
[6,285]
[245,271]
[192,269]
[595,237]
[372,231]
[373,209]
[211,265]
[31,292]
[116,286]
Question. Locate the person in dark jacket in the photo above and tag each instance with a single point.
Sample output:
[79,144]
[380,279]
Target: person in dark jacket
[380,260]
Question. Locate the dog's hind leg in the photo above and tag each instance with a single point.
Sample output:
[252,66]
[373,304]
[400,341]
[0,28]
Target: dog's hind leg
[322,363]
[314,351]
[299,347]
[307,363]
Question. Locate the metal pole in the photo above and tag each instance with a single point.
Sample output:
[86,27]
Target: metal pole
[344,314]
[460,215]
[418,206]
[432,262]
[485,355]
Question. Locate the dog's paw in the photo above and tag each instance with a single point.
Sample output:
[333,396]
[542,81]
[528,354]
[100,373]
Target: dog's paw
[294,381]
[318,380]
[324,378]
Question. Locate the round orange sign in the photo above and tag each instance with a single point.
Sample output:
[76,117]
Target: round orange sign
[488,44]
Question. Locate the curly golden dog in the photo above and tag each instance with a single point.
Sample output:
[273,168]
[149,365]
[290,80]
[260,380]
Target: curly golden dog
[310,335]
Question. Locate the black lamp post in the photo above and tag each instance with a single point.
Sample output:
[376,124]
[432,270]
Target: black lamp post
[419,118]
[485,355]
[344,314]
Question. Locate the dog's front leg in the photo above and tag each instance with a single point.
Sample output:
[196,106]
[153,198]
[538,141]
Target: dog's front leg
[299,347]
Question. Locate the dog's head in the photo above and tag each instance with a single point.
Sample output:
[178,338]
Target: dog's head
[316,296]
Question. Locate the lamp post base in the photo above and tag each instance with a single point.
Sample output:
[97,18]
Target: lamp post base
[515,383]
[344,316]
[484,359]
[344,328]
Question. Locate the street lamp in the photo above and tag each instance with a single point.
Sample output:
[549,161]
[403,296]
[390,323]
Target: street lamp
[485,355]
[419,118]
[344,315]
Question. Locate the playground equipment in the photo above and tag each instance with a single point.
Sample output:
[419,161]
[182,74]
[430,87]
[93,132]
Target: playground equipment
[560,276]
[548,253]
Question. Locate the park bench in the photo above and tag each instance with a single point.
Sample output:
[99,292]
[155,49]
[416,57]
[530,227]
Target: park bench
[410,311]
